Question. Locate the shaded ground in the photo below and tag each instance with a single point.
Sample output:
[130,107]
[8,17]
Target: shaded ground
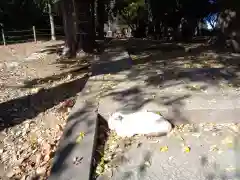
[176,77]
[204,151]
[37,93]
[173,78]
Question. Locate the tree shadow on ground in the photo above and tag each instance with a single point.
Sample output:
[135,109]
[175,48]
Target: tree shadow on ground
[17,110]
[70,73]
[161,69]
[99,46]
[164,69]
[218,173]
[141,169]
[164,63]
[53,49]
[133,99]
[198,64]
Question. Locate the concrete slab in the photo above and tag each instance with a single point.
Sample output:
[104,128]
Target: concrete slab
[177,103]
[208,159]
[179,108]
[73,159]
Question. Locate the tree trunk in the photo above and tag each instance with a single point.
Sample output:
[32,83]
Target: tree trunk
[229,29]
[100,18]
[51,19]
[85,28]
[67,8]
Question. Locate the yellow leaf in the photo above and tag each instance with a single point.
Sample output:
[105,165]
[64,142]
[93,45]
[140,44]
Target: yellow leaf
[196,135]
[80,137]
[35,90]
[230,145]
[134,57]
[164,149]
[186,149]
[158,113]
[228,141]
[187,66]
[230,169]
[214,148]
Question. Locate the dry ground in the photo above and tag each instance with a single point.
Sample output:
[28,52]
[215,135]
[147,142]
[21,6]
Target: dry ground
[37,92]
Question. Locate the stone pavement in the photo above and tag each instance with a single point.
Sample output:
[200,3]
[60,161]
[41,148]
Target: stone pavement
[209,157]
[212,155]
[180,100]
[118,83]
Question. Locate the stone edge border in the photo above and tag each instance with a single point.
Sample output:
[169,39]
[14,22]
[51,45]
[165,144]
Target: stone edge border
[74,161]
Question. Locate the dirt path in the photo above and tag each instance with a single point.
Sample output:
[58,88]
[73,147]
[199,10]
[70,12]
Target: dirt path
[37,92]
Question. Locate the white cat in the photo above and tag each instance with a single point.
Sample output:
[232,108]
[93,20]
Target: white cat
[143,122]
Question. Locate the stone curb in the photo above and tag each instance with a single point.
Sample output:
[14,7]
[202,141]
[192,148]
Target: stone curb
[73,159]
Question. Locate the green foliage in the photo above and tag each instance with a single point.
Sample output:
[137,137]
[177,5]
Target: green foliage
[131,11]
[21,14]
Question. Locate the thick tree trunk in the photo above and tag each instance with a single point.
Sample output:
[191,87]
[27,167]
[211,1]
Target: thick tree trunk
[85,26]
[51,19]
[67,8]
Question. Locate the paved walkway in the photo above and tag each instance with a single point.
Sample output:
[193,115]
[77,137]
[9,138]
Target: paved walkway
[212,155]
[213,152]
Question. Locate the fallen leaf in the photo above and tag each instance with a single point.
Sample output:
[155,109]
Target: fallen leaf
[134,57]
[10,174]
[230,169]
[228,141]
[164,149]
[196,135]
[187,66]
[159,113]
[69,103]
[214,134]
[35,90]
[46,158]
[40,170]
[147,163]
[214,148]
[46,147]
[80,137]
[235,128]
[69,76]
[38,159]
[186,149]
[59,127]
